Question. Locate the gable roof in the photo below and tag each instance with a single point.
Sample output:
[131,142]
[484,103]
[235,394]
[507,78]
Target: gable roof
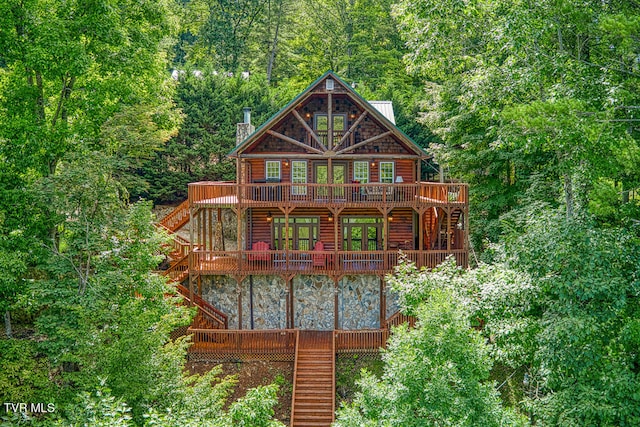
[382,111]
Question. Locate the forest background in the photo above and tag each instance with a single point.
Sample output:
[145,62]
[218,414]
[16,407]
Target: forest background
[109,106]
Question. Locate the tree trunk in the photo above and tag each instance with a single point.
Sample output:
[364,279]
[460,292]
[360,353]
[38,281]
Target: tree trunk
[7,324]
[274,48]
[568,195]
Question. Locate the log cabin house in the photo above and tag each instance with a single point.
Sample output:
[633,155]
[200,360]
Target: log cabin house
[327,199]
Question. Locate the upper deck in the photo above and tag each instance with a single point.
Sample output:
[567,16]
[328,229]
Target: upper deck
[418,195]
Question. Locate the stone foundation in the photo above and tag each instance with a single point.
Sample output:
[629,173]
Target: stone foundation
[269,302]
[359,302]
[222,293]
[313,303]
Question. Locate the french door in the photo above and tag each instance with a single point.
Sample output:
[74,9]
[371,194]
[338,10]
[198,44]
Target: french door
[362,234]
[321,176]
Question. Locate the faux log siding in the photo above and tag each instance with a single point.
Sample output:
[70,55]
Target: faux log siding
[407,170]
[401,231]
[404,168]
[258,170]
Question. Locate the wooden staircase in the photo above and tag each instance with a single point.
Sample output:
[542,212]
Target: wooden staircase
[313,400]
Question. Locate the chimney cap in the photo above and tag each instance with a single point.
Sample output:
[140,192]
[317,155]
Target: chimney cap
[247,114]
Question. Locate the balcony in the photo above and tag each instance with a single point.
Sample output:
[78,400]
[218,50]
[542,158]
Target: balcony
[422,194]
[315,262]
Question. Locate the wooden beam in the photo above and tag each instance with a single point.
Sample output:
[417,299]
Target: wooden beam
[324,156]
[308,128]
[352,128]
[293,141]
[366,141]
[330,121]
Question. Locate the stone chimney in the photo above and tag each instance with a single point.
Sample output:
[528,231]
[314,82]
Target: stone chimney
[244,129]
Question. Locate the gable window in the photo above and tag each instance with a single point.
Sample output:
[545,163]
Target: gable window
[273,170]
[299,176]
[386,172]
[322,121]
[361,172]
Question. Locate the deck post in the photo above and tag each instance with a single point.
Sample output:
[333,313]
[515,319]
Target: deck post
[383,302]
[336,314]
[239,291]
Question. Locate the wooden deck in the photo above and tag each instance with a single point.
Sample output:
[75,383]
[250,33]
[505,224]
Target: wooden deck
[332,263]
[288,195]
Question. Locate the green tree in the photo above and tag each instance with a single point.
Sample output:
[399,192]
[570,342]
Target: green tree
[212,106]
[525,98]
[435,374]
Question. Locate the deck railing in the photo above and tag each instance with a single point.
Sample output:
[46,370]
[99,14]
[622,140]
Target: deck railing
[239,342]
[360,341]
[274,194]
[178,271]
[176,218]
[317,262]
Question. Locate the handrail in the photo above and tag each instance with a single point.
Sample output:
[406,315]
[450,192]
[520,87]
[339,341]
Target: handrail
[335,262]
[207,309]
[243,342]
[333,377]
[398,318]
[295,376]
[311,194]
[357,341]
[178,269]
[177,217]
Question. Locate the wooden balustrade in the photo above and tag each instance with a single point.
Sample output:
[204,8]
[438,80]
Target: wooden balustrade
[241,342]
[323,195]
[178,271]
[400,318]
[316,262]
[360,341]
[210,312]
[176,218]
[222,192]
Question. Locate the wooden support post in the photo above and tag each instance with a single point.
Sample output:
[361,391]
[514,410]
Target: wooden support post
[291,312]
[383,302]
[239,291]
[448,233]
[336,302]
[329,121]
[421,220]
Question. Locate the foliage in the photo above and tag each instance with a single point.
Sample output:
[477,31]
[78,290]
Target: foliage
[523,97]
[583,351]
[212,105]
[435,374]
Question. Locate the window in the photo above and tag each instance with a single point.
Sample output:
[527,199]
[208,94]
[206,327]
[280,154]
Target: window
[386,172]
[299,176]
[339,122]
[273,170]
[329,84]
[361,172]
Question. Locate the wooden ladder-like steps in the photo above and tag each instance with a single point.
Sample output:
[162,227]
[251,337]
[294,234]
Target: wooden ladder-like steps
[314,383]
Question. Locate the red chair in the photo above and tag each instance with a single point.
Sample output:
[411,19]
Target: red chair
[259,246]
[319,260]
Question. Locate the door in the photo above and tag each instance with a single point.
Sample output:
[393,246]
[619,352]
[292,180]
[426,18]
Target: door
[321,174]
[362,234]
